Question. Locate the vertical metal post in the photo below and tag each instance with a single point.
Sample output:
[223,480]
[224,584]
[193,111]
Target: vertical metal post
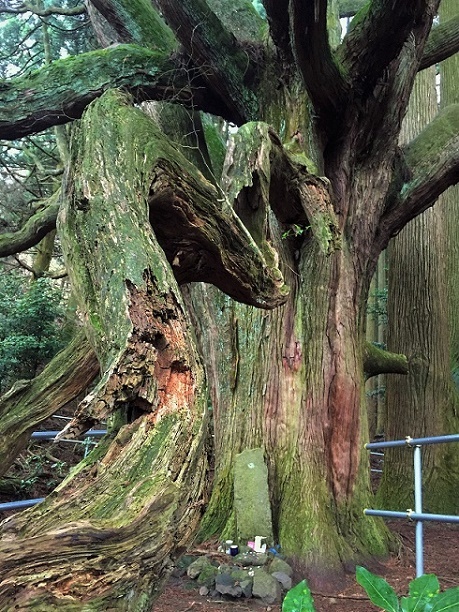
[418,509]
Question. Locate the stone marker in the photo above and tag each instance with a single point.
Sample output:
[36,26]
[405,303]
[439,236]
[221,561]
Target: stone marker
[251,497]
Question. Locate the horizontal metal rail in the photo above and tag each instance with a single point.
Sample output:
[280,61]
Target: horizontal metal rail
[50,435]
[414,516]
[418,515]
[24,503]
[410,442]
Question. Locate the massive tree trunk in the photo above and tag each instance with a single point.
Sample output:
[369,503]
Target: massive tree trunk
[141,492]
[449,94]
[291,381]
[267,393]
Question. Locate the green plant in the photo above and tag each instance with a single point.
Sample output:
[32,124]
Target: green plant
[424,594]
[298,599]
[295,230]
[31,330]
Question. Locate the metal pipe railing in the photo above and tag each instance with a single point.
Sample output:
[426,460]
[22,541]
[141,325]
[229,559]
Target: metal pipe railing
[50,435]
[414,516]
[410,442]
[47,435]
[418,515]
[23,503]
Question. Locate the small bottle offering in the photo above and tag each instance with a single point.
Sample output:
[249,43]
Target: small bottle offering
[234,550]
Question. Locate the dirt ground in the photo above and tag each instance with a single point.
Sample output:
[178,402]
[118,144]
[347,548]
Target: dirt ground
[441,557]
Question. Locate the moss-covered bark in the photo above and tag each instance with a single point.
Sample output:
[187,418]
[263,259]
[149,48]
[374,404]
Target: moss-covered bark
[139,495]
[266,392]
[291,381]
[378,361]
[59,92]
[103,540]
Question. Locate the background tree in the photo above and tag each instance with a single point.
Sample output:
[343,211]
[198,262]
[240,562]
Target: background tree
[314,186]
[449,94]
[424,402]
[29,331]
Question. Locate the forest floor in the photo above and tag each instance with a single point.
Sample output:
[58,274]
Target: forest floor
[441,557]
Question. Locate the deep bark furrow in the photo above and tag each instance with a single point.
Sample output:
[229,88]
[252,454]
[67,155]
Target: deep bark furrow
[278,19]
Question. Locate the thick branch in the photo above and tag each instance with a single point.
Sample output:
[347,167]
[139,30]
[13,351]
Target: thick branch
[241,19]
[225,65]
[431,166]
[30,402]
[278,19]
[33,231]
[376,38]
[324,81]
[378,361]
[443,42]
[59,92]
[123,18]
[207,242]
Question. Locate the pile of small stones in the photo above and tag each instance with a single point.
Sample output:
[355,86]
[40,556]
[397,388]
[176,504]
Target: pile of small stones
[248,574]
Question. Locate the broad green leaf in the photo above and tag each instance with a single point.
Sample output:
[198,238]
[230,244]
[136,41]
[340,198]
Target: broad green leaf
[448,600]
[298,599]
[380,593]
[424,586]
[422,590]
[413,604]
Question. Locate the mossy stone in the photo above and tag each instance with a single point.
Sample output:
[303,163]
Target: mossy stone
[251,497]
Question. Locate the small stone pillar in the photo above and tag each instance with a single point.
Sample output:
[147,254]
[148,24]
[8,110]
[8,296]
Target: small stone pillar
[251,497]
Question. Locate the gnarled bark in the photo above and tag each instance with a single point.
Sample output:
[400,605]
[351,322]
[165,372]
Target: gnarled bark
[152,378]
